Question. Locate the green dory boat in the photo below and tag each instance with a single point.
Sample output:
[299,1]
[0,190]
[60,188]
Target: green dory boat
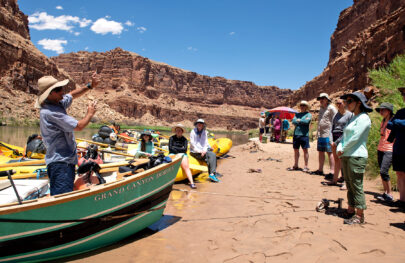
[80,221]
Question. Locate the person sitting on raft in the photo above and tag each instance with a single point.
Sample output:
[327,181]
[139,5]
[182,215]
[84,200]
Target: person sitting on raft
[199,148]
[178,145]
[145,147]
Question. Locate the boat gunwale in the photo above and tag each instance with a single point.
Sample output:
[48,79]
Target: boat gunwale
[74,195]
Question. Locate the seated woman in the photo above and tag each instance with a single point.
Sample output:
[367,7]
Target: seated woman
[178,145]
[145,148]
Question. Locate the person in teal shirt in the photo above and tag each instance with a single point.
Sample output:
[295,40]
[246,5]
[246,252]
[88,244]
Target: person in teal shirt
[353,152]
[286,127]
[301,121]
[145,147]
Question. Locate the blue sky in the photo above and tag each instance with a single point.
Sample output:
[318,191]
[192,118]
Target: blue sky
[269,42]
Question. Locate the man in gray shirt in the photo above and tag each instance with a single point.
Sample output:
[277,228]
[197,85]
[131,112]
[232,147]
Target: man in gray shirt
[326,114]
[57,130]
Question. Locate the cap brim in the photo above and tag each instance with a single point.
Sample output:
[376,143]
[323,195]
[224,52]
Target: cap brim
[45,95]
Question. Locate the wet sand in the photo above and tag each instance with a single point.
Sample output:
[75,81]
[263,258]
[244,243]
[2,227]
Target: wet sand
[262,217]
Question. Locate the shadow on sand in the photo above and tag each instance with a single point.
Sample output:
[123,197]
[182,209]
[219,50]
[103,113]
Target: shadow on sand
[164,222]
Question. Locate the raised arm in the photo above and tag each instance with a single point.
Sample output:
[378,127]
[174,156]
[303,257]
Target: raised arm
[80,91]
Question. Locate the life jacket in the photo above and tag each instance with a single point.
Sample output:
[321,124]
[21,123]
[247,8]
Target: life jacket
[35,148]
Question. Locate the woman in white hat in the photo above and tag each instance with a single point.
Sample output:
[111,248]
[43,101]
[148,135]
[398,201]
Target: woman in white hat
[178,145]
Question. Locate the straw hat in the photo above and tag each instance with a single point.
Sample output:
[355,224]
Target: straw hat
[305,103]
[45,85]
[178,126]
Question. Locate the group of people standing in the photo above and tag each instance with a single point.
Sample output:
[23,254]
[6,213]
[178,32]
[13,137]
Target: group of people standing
[274,127]
[342,134]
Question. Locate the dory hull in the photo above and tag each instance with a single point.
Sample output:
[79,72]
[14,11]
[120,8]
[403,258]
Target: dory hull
[46,229]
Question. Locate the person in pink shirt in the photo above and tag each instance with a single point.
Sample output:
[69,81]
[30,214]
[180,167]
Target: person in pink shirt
[384,149]
[277,128]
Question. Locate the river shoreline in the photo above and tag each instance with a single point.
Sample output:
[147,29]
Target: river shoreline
[262,217]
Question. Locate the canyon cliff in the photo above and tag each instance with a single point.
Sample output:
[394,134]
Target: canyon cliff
[369,34]
[135,86]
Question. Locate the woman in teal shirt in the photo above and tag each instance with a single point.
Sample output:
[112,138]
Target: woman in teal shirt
[145,148]
[353,152]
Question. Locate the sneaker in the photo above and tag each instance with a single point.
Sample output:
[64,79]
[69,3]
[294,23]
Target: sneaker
[354,220]
[213,178]
[387,197]
[192,186]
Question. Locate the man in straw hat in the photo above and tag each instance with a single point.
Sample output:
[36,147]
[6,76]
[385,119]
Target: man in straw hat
[199,148]
[301,121]
[397,135]
[57,129]
[324,133]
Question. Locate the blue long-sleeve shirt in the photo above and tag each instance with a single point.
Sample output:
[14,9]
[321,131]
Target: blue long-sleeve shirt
[302,125]
[397,127]
[355,136]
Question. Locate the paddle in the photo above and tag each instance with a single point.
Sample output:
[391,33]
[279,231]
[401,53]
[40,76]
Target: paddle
[27,163]
[101,144]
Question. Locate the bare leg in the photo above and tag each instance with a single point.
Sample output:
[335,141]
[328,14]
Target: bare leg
[296,157]
[186,169]
[331,162]
[321,160]
[306,157]
[387,186]
[337,165]
[401,185]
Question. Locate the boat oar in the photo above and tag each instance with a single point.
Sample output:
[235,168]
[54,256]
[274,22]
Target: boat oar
[127,138]
[27,163]
[112,152]
[101,144]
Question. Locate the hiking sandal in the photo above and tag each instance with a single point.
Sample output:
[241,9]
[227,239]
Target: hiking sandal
[354,220]
[293,169]
[317,172]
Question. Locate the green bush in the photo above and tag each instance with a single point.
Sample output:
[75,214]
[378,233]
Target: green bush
[387,80]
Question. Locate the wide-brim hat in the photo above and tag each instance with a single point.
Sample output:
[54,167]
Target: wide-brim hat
[146,133]
[323,95]
[45,85]
[200,121]
[178,126]
[385,105]
[304,102]
[361,97]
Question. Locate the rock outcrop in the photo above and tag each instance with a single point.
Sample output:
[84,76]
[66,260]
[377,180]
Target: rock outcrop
[135,86]
[369,35]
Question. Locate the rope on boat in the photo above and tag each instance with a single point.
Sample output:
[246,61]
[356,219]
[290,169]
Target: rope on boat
[246,196]
[101,218]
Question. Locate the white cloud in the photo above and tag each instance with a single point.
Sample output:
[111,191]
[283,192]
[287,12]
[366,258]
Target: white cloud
[76,33]
[141,29]
[53,44]
[86,48]
[43,21]
[104,26]
[232,33]
[59,7]
[129,23]
[192,49]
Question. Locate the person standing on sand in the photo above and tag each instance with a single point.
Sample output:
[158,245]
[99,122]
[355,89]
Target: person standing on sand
[301,121]
[199,148]
[353,153]
[340,121]
[286,127]
[397,127]
[277,129]
[57,129]
[261,125]
[324,133]
[384,149]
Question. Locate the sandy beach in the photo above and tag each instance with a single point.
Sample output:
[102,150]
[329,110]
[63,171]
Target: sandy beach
[262,217]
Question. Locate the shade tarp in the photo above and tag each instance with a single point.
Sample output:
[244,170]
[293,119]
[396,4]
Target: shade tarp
[283,112]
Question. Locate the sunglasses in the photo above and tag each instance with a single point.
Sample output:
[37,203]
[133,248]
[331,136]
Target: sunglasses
[58,89]
[349,101]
